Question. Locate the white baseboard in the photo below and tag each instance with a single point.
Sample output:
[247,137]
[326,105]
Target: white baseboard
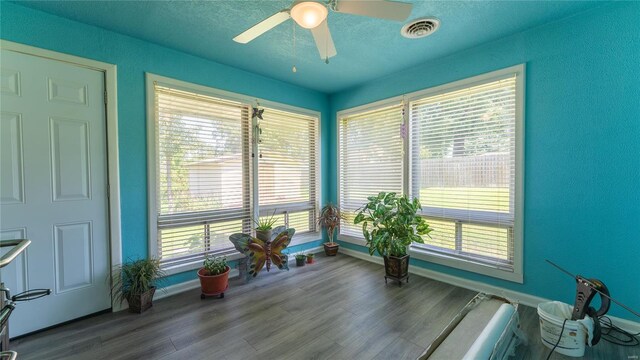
[511,295]
[195,283]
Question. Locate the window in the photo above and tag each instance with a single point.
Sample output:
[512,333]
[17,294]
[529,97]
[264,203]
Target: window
[370,157]
[288,168]
[463,170]
[464,163]
[213,168]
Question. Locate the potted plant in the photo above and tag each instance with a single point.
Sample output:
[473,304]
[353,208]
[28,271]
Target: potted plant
[264,226]
[136,281]
[214,276]
[329,219]
[390,224]
[310,257]
[300,258]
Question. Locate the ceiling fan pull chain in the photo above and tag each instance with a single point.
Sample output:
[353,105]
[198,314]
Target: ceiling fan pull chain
[326,43]
[294,48]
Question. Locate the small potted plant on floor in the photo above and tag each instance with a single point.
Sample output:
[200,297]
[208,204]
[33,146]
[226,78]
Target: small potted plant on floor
[214,276]
[329,219]
[390,224]
[310,257]
[264,226]
[300,259]
[136,281]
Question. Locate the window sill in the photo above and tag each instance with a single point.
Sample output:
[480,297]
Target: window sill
[467,265]
[235,255]
[352,239]
[441,259]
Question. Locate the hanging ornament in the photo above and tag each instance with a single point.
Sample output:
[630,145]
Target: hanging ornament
[257,113]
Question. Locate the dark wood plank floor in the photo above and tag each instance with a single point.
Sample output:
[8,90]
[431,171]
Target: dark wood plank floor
[338,308]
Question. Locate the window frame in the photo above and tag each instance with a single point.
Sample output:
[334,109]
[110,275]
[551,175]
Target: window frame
[152,182]
[421,252]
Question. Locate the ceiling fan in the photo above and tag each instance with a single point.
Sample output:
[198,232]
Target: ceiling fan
[312,15]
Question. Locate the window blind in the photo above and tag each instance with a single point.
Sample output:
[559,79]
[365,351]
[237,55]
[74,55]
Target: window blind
[203,173]
[371,159]
[463,169]
[288,168]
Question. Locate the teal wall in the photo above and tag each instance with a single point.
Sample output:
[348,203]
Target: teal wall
[582,146]
[582,129]
[135,57]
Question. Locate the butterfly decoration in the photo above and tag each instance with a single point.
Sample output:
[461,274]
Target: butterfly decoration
[257,113]
[260,253]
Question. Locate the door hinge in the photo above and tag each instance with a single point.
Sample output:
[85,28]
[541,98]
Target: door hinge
[106,97]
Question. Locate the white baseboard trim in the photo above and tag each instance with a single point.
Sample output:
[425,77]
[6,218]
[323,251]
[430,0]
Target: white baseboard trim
[511,295]
[195,283]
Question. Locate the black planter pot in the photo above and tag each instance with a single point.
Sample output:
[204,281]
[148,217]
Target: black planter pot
[300,262]
[139,303]
[396,268]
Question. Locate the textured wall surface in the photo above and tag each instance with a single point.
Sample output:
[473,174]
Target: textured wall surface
[582,130]
[582,146]
[133,58]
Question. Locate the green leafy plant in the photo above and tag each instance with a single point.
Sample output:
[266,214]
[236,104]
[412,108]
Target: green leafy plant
[135,277]
[390,223]
[266,223]
[215,265]
[329,219]
[310,255]
[300,256]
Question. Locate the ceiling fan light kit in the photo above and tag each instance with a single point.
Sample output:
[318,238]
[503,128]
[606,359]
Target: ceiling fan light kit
[312,15]
[309,14]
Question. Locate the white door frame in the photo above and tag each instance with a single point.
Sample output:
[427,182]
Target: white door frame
[113,180]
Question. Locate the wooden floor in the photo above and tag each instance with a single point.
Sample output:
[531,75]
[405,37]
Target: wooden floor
[338,308]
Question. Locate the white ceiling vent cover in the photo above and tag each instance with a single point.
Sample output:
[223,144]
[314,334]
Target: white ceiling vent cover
[420,28]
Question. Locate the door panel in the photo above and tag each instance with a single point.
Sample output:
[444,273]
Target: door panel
[70,173]
[54,189]
[11,179]
[73,261]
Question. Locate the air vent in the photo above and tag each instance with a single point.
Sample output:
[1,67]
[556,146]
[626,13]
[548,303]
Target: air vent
[420,28]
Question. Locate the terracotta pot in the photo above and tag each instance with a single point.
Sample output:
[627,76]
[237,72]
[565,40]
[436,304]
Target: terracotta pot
[139,303]
[331,249]
[213,284]
[310,260]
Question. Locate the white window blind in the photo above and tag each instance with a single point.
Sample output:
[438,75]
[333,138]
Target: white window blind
[371,159]
[288,168]
[463,169]
[203,173]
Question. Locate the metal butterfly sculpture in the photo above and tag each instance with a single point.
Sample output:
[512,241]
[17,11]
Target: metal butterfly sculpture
[260,253]
[257,113]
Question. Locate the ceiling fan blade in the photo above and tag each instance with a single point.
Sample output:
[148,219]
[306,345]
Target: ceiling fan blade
[263,26]
[381,9]
[324,42]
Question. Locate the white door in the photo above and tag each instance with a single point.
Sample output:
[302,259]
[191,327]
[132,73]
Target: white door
[53,188]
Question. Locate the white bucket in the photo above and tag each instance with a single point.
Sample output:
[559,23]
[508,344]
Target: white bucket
[574,336]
